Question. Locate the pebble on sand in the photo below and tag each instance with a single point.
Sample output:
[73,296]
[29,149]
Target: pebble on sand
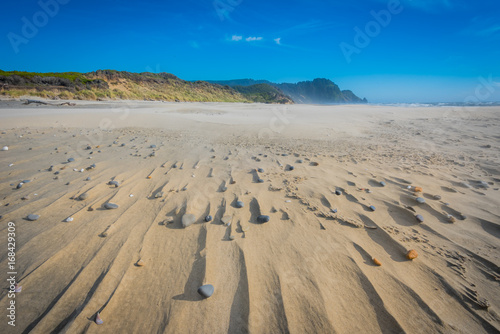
[69,219]
[83,196]
[71,159]
[188,220]
[206,291]
[239,204]
[140,263]
[418,189]
[412,254]
[338,192]
[33,217]
[372,208]
[420,200]
[420,218]
[114,183]
[5,148]
[383,184]
[451,219]
[208,218]
[377,262]
[263,219]
[437,197]
[110,206]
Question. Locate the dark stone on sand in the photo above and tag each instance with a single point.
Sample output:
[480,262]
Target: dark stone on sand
[239,204]
[152,146]
[284,155]
[420,218]
[338,192]
[300,161]
[372,208]
[110,206]
[71,159]
[20,185]
[33,217]
[437,197]
[420,200]
[260,170]
[114,183]
[83,196]
[483,185]
[263,219]
[89,148]
[291,168]
[383,184]
[122,145]
[463,217]
[206,291]
[26,181]
[208,218]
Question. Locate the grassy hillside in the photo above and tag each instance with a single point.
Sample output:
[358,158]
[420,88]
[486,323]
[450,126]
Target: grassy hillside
[263,93]
[110,84]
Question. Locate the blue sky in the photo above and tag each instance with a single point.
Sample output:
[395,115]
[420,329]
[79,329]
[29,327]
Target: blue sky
[418,51]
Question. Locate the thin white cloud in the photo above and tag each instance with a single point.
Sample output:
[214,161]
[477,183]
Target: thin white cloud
[278,40]
[236,38]
[253,39]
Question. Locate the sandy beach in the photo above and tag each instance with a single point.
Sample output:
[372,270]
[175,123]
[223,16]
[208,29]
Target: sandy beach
[342,187]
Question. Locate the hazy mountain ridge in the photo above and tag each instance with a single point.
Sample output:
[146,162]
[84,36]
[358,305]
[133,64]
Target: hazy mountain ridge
[318,91]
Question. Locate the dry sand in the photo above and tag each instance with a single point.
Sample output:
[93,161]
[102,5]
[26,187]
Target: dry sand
[308,270]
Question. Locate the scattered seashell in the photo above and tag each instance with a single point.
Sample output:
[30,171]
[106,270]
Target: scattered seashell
[377,262]
[412,254]
[418,189]
[69,219]
[17,288]
[98,319]
[140,263]
[451,219]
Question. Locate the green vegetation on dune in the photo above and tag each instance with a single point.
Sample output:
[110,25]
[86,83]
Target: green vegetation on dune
[111,84]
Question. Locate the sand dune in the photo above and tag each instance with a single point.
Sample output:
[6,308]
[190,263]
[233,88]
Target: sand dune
[310,269]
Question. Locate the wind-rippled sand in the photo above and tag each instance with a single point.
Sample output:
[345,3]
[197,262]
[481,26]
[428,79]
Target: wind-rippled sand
[308,270]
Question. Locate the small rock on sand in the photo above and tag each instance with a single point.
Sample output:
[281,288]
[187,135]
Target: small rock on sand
[114,183]
[239,204]
[420,200]
[263,219]
[33,217]
[5,148]
[383,184]
[188,220]
[420,218]
[110,206]
[83,196]
[372,208]
[71,159]
[206,291]
[208,218]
